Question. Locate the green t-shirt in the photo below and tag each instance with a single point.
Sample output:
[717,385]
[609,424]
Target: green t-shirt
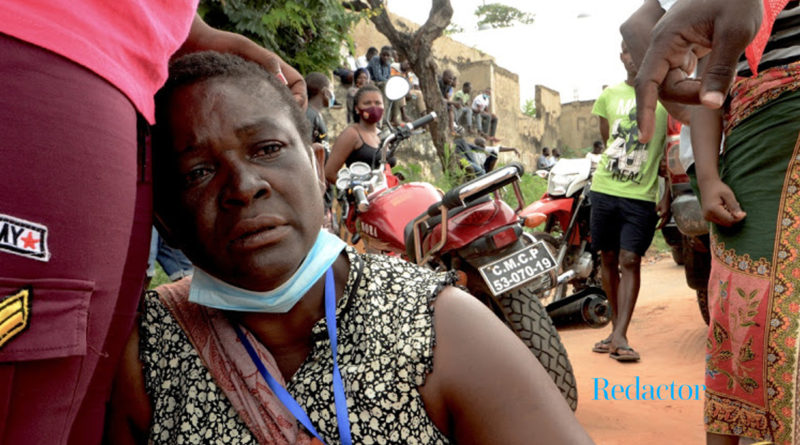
[462,97]
[628,168]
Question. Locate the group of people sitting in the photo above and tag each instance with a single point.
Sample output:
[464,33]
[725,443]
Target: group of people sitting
[475,113]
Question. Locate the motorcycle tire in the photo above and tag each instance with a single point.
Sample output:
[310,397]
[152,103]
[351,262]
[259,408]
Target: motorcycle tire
[702,301]
[526,316]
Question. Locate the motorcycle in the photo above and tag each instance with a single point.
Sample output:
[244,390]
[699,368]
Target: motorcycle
[564,210]
[688,215]
[469,230]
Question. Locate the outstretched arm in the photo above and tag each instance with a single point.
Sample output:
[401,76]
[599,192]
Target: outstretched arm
[491,388]
[203,37]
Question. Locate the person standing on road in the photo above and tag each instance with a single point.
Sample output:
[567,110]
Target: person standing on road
[624,194]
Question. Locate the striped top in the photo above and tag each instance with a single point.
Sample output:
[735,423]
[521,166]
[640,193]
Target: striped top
[783,46]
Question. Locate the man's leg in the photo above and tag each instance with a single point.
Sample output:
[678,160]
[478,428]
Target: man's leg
[625,298]
[468,113]
[605,229]
[493,126]
[639,220]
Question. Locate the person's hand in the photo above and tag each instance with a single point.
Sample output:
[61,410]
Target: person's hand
[690,30]
[720,205]
[203,37]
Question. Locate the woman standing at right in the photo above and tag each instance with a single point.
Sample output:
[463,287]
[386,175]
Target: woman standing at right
[754,300]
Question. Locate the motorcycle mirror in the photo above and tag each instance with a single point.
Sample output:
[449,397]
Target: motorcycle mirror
[396,88]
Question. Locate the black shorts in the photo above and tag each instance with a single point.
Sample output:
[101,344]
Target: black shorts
[622,223]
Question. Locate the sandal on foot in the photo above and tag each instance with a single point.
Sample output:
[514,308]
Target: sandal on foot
[603,346]
[628,354]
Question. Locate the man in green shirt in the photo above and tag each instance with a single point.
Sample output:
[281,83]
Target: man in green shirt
[623,198]
[463,105]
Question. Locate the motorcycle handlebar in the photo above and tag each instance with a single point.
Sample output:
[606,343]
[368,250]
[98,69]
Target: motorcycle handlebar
[361,198]
[479,187]
[424,120]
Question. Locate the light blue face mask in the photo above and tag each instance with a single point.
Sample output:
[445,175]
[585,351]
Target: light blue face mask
[213,292]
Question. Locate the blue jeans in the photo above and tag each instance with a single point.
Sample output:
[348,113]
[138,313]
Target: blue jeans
[172,260]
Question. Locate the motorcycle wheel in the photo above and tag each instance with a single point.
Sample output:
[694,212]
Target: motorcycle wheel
[702,301]
[526,316]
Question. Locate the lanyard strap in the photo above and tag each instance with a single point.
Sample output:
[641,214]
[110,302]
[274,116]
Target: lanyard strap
[338,386]
[283,395]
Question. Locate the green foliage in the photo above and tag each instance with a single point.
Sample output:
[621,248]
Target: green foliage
[532,186]
[159,278]
[529,108]
[453,29]
[498,15]
[307,34]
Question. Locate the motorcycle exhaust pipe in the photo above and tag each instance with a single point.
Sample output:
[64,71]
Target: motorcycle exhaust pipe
[586,308]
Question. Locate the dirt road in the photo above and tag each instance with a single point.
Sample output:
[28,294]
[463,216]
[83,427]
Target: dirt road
[669,333]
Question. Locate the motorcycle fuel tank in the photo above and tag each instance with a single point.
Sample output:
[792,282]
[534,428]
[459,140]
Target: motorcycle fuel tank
[393,209]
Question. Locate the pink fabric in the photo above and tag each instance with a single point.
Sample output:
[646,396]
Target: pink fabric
[755,50]
[126,42]
[70,161]
[234,372]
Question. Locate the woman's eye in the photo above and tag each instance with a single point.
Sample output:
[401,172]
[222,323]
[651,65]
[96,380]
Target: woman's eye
[195,175]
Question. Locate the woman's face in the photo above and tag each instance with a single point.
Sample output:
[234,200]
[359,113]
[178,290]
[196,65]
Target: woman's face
[361,79]
[370,99]
[250,205]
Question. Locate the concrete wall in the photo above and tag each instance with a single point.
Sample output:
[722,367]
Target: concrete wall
[578,127]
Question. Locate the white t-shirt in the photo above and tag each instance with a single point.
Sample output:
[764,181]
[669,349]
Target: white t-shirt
[480,103]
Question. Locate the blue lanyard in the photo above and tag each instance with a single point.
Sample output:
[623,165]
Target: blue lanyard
[338,387]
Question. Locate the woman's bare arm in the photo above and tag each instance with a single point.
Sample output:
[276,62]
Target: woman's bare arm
[486,386]
[341,149]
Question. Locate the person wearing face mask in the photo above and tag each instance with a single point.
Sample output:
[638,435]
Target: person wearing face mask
[360,140]
[285,335]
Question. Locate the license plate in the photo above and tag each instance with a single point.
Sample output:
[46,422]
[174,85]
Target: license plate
[518,268]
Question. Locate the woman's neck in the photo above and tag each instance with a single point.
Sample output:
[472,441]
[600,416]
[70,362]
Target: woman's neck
[288,337]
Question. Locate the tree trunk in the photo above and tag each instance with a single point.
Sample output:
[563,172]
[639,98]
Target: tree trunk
[417,49]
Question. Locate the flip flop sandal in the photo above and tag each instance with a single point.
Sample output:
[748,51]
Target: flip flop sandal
[603,346]
[632,356]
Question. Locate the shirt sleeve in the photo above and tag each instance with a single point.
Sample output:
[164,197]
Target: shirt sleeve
[599,108]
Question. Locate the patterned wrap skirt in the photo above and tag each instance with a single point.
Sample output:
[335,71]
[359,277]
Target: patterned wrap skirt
[752,373]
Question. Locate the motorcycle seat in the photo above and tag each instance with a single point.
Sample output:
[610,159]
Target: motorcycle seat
[433,222]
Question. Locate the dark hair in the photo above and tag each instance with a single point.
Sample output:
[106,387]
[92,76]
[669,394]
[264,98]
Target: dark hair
[359,71]
[387,48]
[361,91]
[201,67]
[371,50]
[598,143]
[466,85]
[315,83]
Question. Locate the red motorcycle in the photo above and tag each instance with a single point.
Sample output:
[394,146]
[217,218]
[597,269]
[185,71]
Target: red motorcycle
[469,230]
[564,210]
